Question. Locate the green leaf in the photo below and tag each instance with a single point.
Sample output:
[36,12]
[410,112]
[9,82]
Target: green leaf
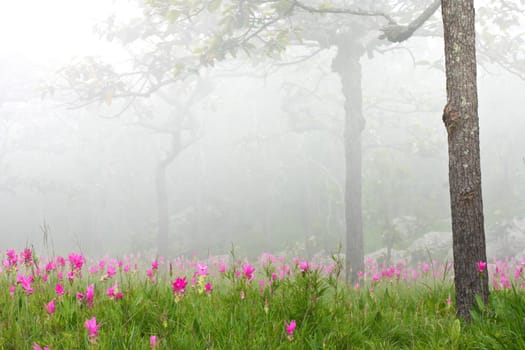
[214,5]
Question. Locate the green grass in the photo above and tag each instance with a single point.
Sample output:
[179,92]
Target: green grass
[240,313]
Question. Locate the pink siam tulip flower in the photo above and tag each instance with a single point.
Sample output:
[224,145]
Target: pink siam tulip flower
[482,266]
[93,270]
[426,267]
[27,256]
[111,271]
[113,292]
[38,347]
[12,289]
[150,273]
[155,265]
[179,285]
[153,341]
[76,260]
[60,261]
[504,281]
[208,287]
[303,266]
[248,271]
[290,328]
[25,282]
[376,277]
[90,293]
[449,300]
[92,327]
[50,307]
[202,270]
[59,290]
[12,258]
[102,263]
[222,267]
[71,275]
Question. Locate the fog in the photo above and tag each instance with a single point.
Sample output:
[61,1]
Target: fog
[260,164]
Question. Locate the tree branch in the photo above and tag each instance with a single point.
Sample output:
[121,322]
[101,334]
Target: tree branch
[353,12]
[397,33]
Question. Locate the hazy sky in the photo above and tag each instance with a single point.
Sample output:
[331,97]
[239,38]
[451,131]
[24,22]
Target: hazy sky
[53,30]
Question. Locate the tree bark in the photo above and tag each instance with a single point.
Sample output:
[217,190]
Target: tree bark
[460,117]
[347,65]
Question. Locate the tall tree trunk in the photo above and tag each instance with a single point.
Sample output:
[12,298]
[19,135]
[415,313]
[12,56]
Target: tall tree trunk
[461,121]
[347,65]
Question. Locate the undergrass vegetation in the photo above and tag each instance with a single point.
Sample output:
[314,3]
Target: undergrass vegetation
[229,303]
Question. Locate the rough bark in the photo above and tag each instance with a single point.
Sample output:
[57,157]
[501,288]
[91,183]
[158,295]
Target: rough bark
[347,65]
[460,117]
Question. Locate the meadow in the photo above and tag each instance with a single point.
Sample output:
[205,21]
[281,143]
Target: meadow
[73,302]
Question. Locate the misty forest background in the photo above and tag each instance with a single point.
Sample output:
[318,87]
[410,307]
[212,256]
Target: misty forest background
[262,165]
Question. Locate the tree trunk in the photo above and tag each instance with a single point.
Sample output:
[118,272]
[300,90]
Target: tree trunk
[347,65]
[461,121]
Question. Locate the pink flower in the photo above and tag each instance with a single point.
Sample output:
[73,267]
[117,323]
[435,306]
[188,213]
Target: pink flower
[179,285]
[113,292]
[482,266]
[426,267]
[290,327]
[202,270]
[76,260]
[303,266]
[71,275]
[449,300]
[153,341]
[208,287]
[27,256]
[50,307]
[25,282]
[248,271]
[59,289]
[155,265]
[92,327]
[111,271]
[60,261]
[12,289]
[375,277]
[222,267]
[90,293]
[38,347]
[149,272]
[12,258]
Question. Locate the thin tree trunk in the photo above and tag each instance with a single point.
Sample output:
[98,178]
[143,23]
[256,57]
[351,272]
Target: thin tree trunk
[347,65]
[461,121]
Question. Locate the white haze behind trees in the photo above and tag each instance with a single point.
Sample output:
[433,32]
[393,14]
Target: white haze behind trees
[267,170]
